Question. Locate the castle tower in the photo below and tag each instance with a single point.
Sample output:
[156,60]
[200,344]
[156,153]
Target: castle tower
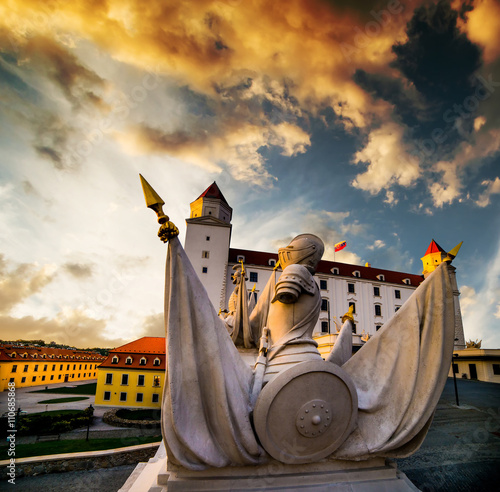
[434,256]
[208,233]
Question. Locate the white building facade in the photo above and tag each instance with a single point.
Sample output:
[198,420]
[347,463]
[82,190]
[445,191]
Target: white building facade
[375,294]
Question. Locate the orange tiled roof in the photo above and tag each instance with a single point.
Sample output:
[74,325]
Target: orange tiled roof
[149,348]
[46,354]
[144,345]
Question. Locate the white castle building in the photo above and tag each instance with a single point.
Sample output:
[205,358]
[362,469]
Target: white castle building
[374,293]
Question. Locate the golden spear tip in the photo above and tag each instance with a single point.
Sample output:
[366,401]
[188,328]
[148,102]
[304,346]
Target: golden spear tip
[152,198]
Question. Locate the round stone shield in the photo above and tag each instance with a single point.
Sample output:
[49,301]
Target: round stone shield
[306,412]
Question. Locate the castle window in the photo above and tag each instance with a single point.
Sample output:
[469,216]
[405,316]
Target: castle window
[397,294]
[204,270]
[124,379]
[378,310]
[45,367]
[138,397]
[143,361]
[14,368]
[354,328]
[376,291]
[496,369]
[156,362]
[123,396]
[208,238]
[381,277]
[353,307]
[107,396]
[33,379]
[356,273]
[114,360]
[109,378]
[407,281]
[155,398]
[140,380]
[23,380]
[324,304]
[25,368]
[128,361]
[323,285]
[240,258]
[254,277]
[377,328]
[36,368]
[397,309]
[272,262]
[156,381]
[205,254]
[335,271]
[350,288]
[324,327]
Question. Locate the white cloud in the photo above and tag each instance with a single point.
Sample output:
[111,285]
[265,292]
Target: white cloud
[378,244]
[492,188]
[389,161]
[450,183]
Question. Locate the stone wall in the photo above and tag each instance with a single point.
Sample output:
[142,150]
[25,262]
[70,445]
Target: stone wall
[41,465]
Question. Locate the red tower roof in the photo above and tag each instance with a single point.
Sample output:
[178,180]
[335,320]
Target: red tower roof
[434,248]
[213,192]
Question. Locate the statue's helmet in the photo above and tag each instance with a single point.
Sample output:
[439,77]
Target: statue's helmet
[305,249]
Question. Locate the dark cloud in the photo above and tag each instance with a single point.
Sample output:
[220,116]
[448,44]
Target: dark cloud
[79,270]
[438,58]
[154,326]
[75,81]
[20,281]
[52,138]
[76,330]
[381,86]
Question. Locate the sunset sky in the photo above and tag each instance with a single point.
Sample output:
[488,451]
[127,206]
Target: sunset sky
[371,122]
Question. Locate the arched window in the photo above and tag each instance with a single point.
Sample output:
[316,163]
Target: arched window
[114,360]
[128,360]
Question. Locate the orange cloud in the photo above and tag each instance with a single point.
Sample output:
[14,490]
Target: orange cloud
[483,27]
[208,43]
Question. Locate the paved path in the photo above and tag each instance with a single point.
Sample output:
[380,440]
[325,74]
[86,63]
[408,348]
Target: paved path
[460,454]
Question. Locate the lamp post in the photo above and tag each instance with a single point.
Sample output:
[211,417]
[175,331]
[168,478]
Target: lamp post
[455,357]
[90,413]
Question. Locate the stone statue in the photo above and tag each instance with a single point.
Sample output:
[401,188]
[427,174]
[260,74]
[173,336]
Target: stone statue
[295,407]
[236,319]
[294,308]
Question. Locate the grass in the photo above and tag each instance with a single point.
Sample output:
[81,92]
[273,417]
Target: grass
[65,400]
[81,389]
[75,445]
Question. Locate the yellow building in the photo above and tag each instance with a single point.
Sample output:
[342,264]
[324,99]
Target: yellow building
[132,375]
[34,366]
[477,363]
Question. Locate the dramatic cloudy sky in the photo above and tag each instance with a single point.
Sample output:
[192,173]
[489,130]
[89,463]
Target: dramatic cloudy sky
[374,122]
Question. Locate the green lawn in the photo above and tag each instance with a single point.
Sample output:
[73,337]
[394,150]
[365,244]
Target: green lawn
[75,446]
[65,400]
[81,389]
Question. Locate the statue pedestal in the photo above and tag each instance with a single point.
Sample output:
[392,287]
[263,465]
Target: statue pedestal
[325,476]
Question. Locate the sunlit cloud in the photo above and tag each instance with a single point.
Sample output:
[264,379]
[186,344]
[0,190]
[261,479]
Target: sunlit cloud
[389,160]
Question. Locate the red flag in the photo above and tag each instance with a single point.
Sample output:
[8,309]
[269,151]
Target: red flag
[340,246]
